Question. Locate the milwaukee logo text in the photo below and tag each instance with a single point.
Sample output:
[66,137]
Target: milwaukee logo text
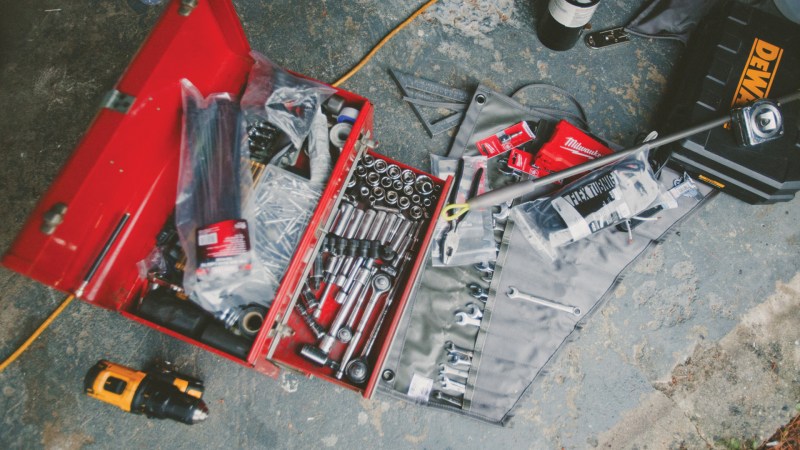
[759,72]
[574,146]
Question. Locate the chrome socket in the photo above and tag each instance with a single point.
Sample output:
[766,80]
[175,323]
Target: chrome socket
[394,171]
[380,166]
[391,198]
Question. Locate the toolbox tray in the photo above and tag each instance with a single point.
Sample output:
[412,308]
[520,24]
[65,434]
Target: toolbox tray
[127,163]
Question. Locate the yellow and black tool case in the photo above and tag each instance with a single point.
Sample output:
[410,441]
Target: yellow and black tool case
[737,55]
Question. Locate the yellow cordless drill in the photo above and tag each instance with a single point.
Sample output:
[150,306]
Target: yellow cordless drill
[159,392]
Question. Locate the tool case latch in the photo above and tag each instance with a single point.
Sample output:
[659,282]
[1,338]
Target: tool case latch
[187,6]
[606,38]
[118,101]
[365,143]
[280,331]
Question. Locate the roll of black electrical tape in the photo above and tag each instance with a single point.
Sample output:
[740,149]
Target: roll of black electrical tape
[561,26]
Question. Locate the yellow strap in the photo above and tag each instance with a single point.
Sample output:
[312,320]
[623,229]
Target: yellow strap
[454,211]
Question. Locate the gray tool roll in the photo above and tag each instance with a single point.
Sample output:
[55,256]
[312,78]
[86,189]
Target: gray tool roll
[515,338]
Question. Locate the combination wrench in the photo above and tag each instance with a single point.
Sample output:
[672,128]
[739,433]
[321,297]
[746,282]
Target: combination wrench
[450,347]
[458,359]
[473,311]
[515,293]
[446,370]
[449,399]
[452,385]
[465,319]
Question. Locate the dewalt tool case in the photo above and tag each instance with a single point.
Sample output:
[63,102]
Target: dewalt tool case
[738,54]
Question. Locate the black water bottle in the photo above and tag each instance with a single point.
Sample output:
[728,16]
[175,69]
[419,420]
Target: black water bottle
[561,26]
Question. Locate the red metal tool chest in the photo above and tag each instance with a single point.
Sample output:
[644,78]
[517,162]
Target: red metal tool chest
[127,163]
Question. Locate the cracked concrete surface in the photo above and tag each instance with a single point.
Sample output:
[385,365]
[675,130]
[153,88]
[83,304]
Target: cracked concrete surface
[698,344]
[746,379]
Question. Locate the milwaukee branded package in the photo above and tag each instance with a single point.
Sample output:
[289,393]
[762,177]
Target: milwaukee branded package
[568,146]
[510,138]
[738,55]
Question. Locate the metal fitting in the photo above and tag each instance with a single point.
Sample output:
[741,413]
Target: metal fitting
[416,199]
[387,209]
[424,185]
[373,179]
[386,182]
[391,198]
[415,212]
[380,166]
[408,177]
[368,161]
[397,185]
[409,189]
[363,191]
[378,192]
[361,171]
[426,202]
[394,171]
[403,203]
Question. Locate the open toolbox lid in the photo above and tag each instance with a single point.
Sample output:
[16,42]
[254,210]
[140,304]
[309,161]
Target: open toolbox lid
[128,160]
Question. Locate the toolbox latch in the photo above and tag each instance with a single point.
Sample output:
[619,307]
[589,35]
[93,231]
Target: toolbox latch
[118,101]
[280,331]
[365,143]
[53,218]
[187,6]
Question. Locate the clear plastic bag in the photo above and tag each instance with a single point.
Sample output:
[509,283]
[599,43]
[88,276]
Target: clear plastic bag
[605,197]
[283,204]
[211,216]
[476,237]
[285,100]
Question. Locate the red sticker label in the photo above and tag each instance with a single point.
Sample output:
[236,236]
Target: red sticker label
[223,244]
[512,137]
[522,161]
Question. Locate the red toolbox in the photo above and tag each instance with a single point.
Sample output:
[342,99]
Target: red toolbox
[127,164]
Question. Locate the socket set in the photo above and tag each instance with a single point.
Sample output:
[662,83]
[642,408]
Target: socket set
[360,270]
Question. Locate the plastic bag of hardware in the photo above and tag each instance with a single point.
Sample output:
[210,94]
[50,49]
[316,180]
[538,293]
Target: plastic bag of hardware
[475,237]
[605,197]
[288,102]
[283,204]
[214,225]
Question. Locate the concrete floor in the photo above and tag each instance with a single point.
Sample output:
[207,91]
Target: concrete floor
[699,346]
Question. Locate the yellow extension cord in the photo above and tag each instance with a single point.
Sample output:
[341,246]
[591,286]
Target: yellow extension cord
[338,82]
[36,333]
[382,42]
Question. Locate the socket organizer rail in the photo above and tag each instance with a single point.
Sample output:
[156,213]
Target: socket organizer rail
[129,163]
[356,284]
